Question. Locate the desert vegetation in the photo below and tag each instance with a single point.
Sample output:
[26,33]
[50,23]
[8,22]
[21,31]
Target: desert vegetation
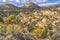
[30,24]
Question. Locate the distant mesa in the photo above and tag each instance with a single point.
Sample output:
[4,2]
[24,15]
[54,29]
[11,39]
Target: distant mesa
[7,6]
[26,5]
[31,5]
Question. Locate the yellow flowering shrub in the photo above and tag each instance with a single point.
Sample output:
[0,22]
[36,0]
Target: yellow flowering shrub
[11,17]
[2,28]
[37,31]
[9,29]
[17,27]
[1,24]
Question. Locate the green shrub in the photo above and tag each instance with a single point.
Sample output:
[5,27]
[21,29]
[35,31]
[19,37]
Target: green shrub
[1,19]
[44,33]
